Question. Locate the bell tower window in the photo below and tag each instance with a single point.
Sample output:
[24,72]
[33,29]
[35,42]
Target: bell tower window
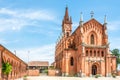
[67,34]
[92,39]
[71,61]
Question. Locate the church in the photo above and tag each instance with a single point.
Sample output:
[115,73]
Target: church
[85,51]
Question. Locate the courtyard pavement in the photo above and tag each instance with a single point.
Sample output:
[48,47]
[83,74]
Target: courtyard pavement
[68,78]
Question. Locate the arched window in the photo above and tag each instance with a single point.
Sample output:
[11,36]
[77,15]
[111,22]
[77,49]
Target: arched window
[90,52]
[98,54]
[102,54]
[87,53]
[94,53]
[67,34]
[92,39]
[71,61]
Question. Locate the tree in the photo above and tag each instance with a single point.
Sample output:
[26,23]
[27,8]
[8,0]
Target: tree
[116,52]
[6,69]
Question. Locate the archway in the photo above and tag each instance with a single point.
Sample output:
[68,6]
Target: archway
[94,69]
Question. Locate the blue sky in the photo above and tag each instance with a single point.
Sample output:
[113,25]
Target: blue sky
[31,27]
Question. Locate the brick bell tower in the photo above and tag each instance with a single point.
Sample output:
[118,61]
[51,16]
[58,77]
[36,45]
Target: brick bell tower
[67,24]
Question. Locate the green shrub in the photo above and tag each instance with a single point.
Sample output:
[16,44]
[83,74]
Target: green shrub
[45,71]
[75,75]
[6,69]
[97,75]
[114,75]
[25,77]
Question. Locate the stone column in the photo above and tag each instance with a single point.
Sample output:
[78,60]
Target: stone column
[107,67]
[63,66]
[83,66]
[67,64]
[90,68]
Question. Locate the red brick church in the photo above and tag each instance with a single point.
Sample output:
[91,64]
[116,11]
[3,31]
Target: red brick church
[84,52]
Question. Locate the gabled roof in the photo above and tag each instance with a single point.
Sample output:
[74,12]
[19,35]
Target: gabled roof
[38,63]
[93,20]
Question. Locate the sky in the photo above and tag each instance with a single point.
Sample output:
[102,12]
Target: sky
[30,28]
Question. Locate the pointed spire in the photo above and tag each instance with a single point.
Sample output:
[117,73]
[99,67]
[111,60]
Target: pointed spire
[66,17]
[105,22]
[81,19]
[92,14]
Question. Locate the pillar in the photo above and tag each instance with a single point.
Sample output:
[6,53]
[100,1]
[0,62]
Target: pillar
[67,64]
[83,66]
[102,66]
[63,66]
[90,68]
[108,67]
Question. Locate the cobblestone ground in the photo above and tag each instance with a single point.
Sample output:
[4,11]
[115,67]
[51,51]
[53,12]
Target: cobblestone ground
[69,78]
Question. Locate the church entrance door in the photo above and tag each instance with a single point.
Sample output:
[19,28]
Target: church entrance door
[94,70]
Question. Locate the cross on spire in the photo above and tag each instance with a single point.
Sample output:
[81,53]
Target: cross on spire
[81,19]
[92,13]
[105,19]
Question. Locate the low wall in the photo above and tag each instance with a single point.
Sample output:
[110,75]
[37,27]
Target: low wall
[51,72]
[118,73]
[33,72]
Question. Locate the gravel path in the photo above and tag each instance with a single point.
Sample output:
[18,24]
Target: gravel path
[69,78]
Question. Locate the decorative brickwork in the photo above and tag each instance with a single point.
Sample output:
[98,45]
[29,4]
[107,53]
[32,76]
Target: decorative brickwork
[85,52]
[19,67]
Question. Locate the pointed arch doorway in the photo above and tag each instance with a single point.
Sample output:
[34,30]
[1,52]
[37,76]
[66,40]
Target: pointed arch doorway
[94,69]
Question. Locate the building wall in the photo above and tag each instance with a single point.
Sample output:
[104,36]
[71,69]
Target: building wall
[19,67]
[51,72]
[33,72]
[88,45]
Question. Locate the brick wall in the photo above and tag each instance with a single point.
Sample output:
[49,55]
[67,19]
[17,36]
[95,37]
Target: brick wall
[33,72]
[51,72]
[118,73]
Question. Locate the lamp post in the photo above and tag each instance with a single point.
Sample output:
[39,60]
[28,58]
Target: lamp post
[28,56]
[28,64]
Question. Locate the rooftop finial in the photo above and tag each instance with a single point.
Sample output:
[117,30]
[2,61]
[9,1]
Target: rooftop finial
[105,22]
[92,13]
[105,19]
[81,19]
[66,6]
[70,19]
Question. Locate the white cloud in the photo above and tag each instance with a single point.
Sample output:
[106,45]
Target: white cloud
[11,24]
[42,53]
[113,25]
[17,19]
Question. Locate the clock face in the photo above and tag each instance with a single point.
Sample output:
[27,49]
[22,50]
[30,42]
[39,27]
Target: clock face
[67,27]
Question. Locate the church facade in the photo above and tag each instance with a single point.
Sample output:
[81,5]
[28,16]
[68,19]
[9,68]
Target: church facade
[84,52]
